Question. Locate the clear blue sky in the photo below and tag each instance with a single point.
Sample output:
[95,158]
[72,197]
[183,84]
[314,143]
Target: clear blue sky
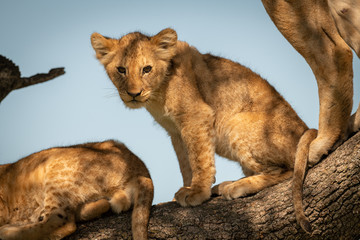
[83,105]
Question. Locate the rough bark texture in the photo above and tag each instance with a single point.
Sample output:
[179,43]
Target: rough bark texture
[331,201]
[10,77]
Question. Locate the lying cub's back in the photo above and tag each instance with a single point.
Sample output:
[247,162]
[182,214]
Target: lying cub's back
[76,174]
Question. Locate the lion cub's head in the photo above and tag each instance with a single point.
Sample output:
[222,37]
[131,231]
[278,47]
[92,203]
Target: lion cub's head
[136,63]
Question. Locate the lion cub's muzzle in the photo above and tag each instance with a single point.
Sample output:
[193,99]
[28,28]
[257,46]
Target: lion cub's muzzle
[134,94]
[134,99]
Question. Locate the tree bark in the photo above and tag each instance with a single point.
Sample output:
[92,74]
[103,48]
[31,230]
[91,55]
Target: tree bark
[331,201]
[10,78]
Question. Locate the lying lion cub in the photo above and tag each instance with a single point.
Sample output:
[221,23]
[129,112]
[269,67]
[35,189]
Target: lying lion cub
[42,195]
[209,104]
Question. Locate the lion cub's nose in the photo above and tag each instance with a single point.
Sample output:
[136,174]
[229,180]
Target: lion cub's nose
[134,95]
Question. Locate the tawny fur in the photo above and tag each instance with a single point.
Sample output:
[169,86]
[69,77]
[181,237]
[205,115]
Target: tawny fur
[322,31]
[42,195]
[207,104]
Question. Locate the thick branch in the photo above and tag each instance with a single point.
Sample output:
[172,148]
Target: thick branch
[331,201]
[10,77]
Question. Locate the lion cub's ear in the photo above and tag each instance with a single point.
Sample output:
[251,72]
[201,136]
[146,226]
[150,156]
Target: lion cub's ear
[101,45]
[165,42]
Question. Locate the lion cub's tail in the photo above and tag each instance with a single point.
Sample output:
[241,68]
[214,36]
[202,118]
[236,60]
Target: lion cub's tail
[143,198]
[301,162]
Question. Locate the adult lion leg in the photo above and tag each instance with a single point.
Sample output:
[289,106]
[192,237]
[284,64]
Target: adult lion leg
[309,27]
[346,14]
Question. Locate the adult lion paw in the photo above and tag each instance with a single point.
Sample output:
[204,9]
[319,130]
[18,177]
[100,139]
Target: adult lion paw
[319,148]
[187,196]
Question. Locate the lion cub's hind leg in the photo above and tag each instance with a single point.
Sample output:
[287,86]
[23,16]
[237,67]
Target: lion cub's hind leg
[92,210]
[249,185]
[120,201]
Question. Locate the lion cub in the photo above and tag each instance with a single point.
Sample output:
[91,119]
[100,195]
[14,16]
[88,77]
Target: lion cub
[42,195]
[209,105]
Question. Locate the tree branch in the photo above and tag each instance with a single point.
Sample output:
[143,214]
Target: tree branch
[10,77]
[39,78]
[331,201]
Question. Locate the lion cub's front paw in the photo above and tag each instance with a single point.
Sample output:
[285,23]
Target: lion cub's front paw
[234,190]
[219,189]
[187,196]
[230,190]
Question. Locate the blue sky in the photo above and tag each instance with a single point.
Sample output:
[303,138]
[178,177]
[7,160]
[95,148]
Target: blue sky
[83,105]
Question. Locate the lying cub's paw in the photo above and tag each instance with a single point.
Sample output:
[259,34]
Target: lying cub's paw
[188,196]
[9,232]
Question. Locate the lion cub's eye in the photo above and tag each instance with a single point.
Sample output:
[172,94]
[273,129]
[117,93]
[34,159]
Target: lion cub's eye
[147,69]
[121,70]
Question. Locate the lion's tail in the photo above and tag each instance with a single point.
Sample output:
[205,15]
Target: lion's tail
[301,162]
[143,198]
